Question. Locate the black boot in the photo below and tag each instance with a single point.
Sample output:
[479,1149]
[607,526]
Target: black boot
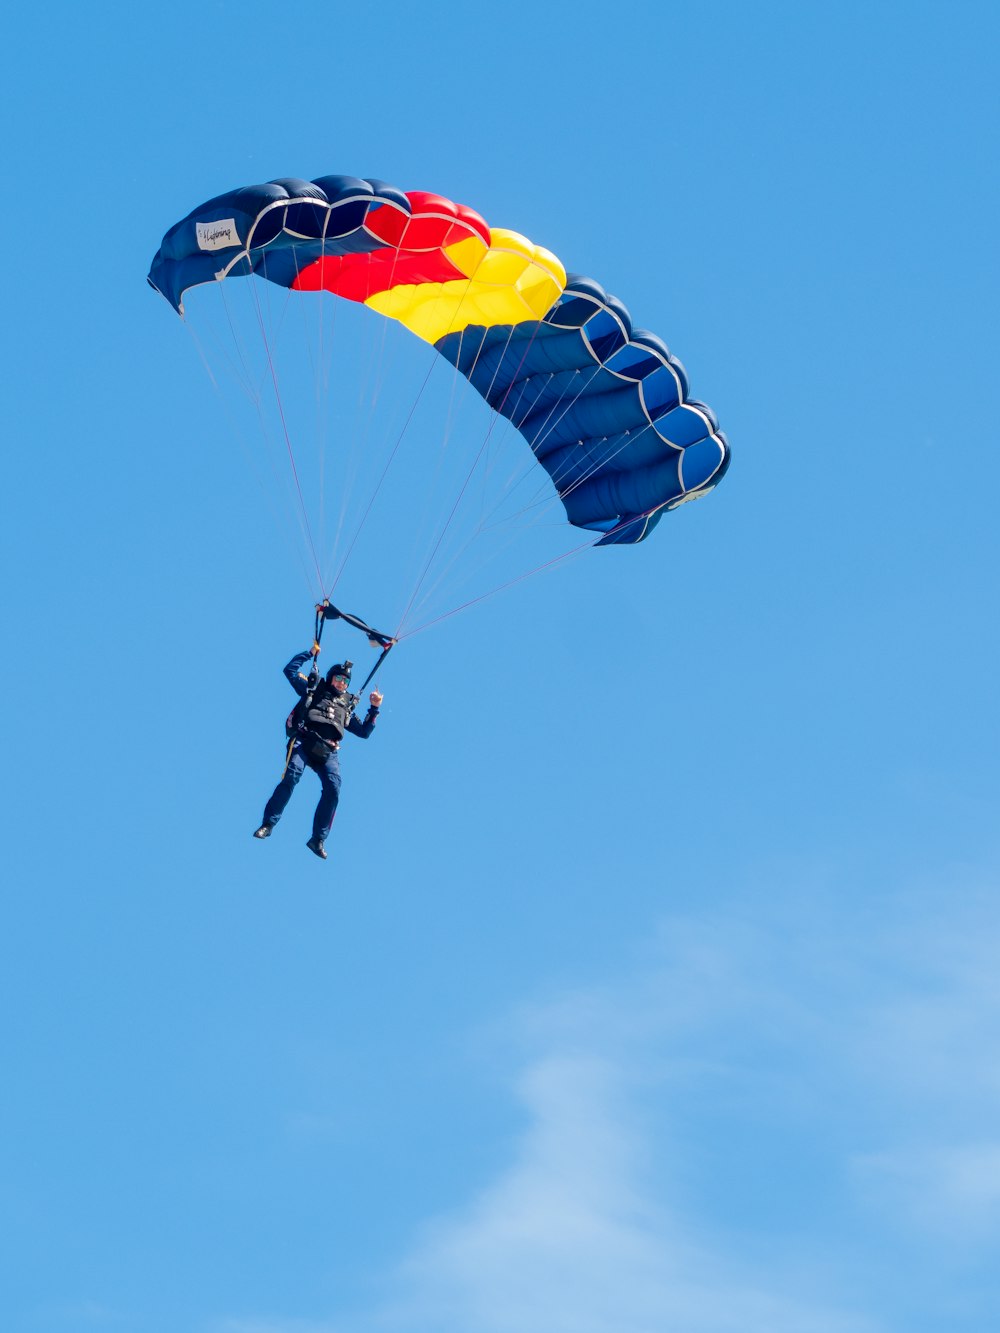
[316,845]
[263,832]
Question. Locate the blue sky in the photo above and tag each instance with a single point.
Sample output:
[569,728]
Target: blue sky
[650,986]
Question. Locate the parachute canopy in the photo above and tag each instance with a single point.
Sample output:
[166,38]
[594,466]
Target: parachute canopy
[604,407]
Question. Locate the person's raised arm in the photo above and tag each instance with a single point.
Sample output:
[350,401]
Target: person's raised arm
[293,669]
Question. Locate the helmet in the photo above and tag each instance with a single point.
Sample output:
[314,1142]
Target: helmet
[341,669]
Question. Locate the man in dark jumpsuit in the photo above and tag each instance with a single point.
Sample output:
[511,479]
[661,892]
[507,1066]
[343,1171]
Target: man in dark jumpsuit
[327,718]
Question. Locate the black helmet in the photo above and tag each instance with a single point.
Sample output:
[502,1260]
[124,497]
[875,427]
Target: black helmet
[342,669]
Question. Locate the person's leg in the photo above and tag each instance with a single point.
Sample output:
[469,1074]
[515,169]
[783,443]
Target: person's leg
[329,776]
[283,791]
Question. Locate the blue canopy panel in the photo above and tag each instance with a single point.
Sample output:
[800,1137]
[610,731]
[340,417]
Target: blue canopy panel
[604,407]
[257,230]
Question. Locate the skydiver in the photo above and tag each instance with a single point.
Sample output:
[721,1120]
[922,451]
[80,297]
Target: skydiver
[328,715]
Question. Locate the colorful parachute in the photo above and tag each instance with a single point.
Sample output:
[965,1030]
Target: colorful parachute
[604,407]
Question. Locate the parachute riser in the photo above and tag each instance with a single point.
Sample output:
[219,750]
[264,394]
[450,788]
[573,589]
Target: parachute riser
[326,611]
[371,674]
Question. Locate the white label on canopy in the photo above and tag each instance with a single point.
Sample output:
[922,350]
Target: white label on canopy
[217,235]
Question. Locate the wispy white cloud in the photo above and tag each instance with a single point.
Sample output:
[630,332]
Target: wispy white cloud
[569,1239]
[818,1046]
[936,1029]
[929,1051]
[944,1188]
[84,1314]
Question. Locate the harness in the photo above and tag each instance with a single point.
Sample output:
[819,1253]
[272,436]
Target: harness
[297,723]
